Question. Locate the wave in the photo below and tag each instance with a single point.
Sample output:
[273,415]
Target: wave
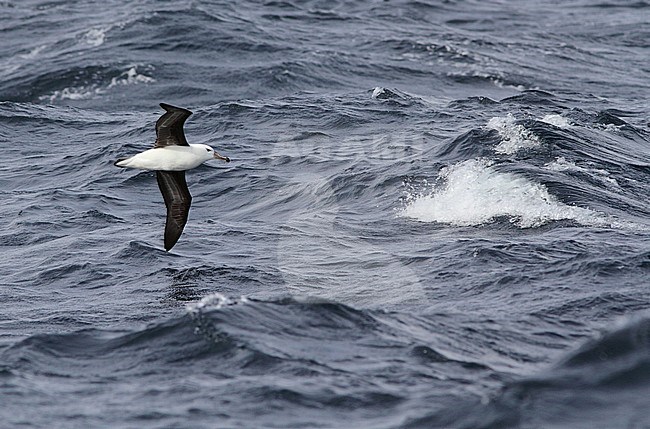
[95,89]
[514,137]
[578,392]
[474,192]
[298,338]
[556,120]
[525,177]
[296,348]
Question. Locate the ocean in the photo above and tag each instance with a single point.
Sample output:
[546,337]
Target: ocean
[436,215]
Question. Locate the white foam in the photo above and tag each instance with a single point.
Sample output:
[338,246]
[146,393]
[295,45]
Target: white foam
[130,77]
[13,63]
[561,164]
[34,52]
[609,127]
[72,93]
[499,83]
[475,193]
[95,36]
[556,120]
[84,92]
[213,301]
[377,91]
[514,137]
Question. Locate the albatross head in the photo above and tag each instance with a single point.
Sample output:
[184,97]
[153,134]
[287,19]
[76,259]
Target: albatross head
[211,153]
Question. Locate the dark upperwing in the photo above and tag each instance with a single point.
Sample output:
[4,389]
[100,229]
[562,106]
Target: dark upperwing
[169,127]
[178,200]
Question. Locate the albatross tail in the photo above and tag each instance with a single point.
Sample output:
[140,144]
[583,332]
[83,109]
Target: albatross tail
[121,162]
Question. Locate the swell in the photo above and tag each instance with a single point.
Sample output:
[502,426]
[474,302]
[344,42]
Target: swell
[233,332]
[227,341]
[613,365]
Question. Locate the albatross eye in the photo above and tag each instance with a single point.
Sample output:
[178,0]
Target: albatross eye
[208,149]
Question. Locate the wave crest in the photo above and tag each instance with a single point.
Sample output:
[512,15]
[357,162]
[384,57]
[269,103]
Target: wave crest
[474,192]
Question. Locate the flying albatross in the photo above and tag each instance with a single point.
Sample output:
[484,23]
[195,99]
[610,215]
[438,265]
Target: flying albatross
[170,157]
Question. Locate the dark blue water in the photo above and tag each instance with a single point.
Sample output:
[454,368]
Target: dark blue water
[437,215]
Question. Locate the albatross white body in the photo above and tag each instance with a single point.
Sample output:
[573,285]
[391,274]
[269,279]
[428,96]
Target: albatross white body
[170,158]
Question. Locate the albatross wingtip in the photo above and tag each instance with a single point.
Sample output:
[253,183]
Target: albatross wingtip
[170,242]
[170,108]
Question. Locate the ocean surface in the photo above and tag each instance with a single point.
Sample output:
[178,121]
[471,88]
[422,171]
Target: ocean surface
[437,215]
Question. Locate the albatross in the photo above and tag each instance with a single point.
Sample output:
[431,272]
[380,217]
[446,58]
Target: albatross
[170,157]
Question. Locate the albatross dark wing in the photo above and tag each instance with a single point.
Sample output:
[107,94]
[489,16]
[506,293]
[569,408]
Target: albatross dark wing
[169,127]
[177,199]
